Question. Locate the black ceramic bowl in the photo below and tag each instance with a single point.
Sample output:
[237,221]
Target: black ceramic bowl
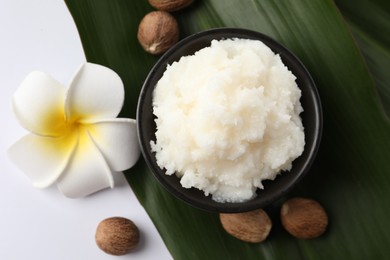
[311,118]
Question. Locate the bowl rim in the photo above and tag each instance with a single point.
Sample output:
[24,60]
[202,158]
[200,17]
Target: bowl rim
[227,33]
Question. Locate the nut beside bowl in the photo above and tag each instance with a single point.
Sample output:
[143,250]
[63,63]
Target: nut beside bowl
[311,118]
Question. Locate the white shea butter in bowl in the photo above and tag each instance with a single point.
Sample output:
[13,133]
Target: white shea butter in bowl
[227,119]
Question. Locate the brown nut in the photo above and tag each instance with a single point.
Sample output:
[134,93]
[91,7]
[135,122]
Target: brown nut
[117,236]
[303,218]
[253,226]
[157,32]
[170,5]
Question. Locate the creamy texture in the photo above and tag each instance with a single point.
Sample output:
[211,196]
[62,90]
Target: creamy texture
[227,119]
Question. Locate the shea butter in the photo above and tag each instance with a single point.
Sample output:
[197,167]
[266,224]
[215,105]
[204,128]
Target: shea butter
[228,118]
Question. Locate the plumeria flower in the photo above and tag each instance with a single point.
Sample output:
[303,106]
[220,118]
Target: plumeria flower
[75,139]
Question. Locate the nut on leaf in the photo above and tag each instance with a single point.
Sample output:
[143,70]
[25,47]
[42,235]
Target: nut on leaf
[157,32]
[117,236]
[170,5]
[253,226]
[303,218]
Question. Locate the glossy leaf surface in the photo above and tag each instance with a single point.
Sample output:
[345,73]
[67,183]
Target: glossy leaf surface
[351,175]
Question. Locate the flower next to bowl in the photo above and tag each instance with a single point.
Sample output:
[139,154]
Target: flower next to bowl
[76,140]
[228,118]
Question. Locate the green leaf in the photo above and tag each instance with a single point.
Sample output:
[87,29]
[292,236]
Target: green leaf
[370,25]
[351,175]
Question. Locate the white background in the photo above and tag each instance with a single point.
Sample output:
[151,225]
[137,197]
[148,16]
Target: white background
[42,224]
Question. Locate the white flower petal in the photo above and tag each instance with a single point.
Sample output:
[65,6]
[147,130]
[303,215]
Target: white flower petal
[117,140]
[39,104]
[96,92]
[42,159]
[87,172]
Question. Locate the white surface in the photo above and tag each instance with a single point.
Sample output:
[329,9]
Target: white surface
[42,224]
